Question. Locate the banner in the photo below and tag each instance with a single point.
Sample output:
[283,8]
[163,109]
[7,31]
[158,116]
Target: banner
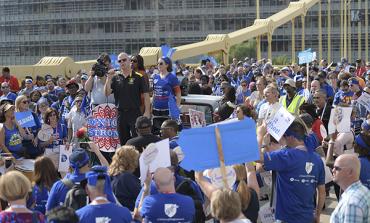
[25,119]
[102,127]
[238,139]
[364,100]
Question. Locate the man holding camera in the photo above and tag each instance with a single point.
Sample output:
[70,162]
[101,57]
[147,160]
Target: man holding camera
[127,86]
[97,78]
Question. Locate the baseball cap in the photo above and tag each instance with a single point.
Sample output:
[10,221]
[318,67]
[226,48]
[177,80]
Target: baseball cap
[285,69]
[290,82]
[84,77]
[71,82]
[28,81]
[96,173]
[143,122]
[7,107]
[78,159]
[353,81]
[298,78]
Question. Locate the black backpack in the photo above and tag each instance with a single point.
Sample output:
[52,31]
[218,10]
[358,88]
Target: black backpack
[185,188]
[76,197]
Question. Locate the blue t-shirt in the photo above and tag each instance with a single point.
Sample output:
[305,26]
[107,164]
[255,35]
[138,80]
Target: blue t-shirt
[298,175]
[126,186]
[59,191]
[168,207]
[343,97]
[241,96]
[28,144]
[13,141]
[365,172]
[108,212]
[329,90]
[39,198]
[163,88]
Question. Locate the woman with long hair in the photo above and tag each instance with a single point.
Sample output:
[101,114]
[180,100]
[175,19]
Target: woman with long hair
[22,104]
[11,134]
[166,88]
[14,188]
[45,175]
[126,186]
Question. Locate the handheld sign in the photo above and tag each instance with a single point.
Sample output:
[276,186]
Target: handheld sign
[306,56]
[102,127]
[237,139]
[364,100]
[197,118]
[25,119]
[278,124]
[64,159]
[154,156]
[216,177]
[340,120]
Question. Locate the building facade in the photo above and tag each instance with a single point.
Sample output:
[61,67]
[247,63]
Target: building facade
[81,29]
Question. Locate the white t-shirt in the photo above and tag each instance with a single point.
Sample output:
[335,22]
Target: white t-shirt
[267,111]
[76,120]
[97,93]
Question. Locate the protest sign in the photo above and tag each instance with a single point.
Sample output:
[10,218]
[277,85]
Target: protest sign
[266,214]
[64,159]
[102,127]
[340,120]
[215,176]
[278,124]
[25,119]
[237,138]
[197,118]
[154,156]
[45,132]
[364,100]
[306,56]
[114,61]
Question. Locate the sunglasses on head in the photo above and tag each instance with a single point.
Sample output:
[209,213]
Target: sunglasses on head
[122,60]
[134,61]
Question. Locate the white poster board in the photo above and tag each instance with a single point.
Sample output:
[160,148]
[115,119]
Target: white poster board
[278,124]
[154,156]
[216,179]
[197,118]
[64,159]
[340,120]
[266,213]
[364,100]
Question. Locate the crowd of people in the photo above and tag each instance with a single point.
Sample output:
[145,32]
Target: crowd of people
[105,187]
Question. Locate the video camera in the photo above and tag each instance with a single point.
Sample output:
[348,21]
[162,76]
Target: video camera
[99,68]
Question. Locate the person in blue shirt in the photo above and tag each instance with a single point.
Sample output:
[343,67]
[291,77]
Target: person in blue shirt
[362,147]
[243,92]
[300,171]
[166,205]
[321,77]
[5,88]
[344,95]
[45,175]
[100,209]
[79,162]
[298,84]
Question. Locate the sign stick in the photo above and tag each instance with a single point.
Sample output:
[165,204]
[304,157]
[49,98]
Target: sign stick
[308,76]
[221,157]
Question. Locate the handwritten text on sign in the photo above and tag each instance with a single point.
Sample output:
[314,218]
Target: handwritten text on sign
[279,123]
[102,127]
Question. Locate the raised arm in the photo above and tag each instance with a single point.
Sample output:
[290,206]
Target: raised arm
[108,82]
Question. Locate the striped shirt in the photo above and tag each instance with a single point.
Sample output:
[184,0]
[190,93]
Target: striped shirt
[354,206]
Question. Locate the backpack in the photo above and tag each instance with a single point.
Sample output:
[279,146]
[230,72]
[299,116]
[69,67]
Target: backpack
[76,197]
[185,188]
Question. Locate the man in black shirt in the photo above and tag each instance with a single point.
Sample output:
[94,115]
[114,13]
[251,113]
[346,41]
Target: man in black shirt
[127,87]
[144,130]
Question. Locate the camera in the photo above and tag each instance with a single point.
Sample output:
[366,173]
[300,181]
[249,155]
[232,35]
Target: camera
[100,69]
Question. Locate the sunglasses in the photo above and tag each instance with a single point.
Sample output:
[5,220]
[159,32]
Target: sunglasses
[244,85]
[122,60]
[5,87]
[316,97]
[25,102]
[161,63]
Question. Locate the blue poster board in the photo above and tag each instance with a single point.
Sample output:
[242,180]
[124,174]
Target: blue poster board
[239,145]
[25,119]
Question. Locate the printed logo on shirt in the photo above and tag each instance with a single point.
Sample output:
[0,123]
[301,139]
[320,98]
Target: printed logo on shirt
[131,80]
[102,220]
[308,167]
[15,140]
[170,209]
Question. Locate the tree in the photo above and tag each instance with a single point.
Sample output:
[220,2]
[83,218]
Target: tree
[281,60]
[242,50]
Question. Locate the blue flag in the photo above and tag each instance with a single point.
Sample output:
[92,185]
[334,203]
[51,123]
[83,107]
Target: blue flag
[167,51]
[172,108]
[239,145]
[25,119]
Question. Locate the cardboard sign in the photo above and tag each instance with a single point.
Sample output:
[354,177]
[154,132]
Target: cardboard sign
[197,118]
[278,124]
[364,100]
[201,151]
[340,120]
[25,119]
[154,156]
[64,159]
[102,127]
[306,56]
[266,214]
